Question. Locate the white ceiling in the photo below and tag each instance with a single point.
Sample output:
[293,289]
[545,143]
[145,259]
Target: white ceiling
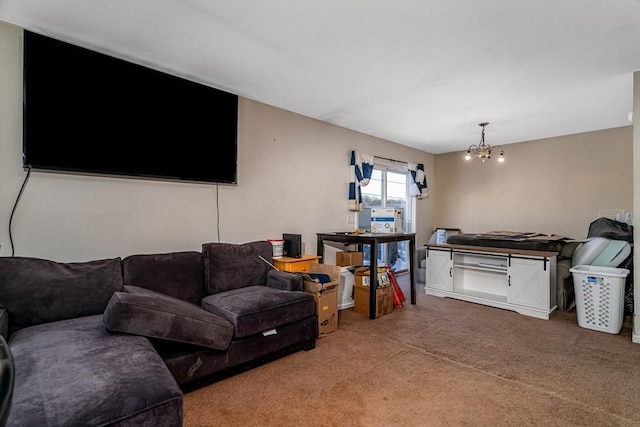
[420,73]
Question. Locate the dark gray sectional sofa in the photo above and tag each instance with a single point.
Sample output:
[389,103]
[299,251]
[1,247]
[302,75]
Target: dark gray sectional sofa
[116,342]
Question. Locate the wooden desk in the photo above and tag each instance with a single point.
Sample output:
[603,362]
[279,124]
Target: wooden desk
[373,240]
[296,265]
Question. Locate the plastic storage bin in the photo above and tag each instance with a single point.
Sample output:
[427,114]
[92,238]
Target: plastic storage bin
[599,293]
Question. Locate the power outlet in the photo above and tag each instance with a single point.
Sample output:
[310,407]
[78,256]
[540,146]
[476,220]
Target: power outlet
[349,219]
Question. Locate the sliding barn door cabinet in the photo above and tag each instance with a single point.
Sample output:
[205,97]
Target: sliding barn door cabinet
[518,280]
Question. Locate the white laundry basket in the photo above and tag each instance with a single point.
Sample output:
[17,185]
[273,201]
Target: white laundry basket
[599,293]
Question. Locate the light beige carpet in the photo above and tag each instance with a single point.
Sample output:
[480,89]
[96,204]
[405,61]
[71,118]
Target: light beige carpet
[441,362]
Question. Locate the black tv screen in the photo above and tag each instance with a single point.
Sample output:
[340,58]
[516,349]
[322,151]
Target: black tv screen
[88,112]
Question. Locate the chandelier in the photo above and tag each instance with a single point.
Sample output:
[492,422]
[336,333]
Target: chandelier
[483,151]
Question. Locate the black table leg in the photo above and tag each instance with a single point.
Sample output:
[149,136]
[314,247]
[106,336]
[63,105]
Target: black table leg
[320,249]
[412,249]
[373,280]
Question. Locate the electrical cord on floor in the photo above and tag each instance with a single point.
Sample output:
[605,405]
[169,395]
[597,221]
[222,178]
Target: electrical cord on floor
[15,205]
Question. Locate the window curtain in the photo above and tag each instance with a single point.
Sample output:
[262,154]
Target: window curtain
[361,171]
[419,187]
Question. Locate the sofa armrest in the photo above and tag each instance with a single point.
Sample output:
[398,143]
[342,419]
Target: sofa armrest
[151,314]
[284,280]
[4,323]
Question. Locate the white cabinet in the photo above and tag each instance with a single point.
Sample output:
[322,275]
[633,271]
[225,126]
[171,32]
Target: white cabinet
[522,281]
[440,270]
[523,273]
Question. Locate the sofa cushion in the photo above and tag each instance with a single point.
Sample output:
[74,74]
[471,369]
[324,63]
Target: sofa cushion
[177,274]
[76,373]
[37,291]
[141,311]
[256,309]
[231,266]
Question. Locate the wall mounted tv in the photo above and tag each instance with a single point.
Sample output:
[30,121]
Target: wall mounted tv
[87,112]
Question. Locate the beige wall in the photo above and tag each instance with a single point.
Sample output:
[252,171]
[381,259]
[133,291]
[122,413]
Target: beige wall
[293,177]
[554,185]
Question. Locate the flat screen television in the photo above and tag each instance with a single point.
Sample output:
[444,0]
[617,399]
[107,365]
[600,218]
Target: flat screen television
[87,112]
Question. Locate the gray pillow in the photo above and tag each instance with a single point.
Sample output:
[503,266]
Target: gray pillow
[37,291]
[141,311]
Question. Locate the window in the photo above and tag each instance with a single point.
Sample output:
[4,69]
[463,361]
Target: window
[388,188]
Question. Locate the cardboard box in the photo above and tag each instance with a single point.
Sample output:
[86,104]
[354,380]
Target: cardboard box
[326,296]
[387,220]
[384,294]
[345,259]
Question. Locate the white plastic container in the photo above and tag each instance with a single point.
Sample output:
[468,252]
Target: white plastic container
[599,295]
[278,247]
[345,289]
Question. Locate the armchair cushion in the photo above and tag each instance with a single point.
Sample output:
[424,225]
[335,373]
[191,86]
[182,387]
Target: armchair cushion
[177,274]
[37,291]
[256,309]
[230,266]
[141,311]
